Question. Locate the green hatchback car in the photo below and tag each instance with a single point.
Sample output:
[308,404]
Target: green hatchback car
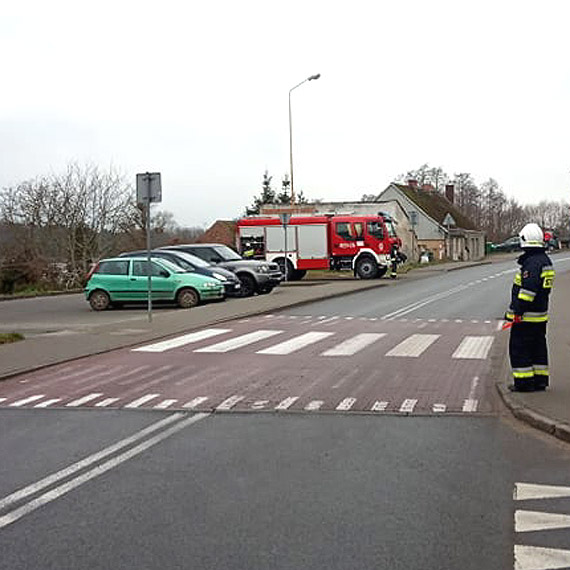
[116,281]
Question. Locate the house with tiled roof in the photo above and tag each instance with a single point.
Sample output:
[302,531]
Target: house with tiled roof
[441,228]
[221,231]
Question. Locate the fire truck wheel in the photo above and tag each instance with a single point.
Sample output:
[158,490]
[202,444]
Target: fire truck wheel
[290,269]
[298,274]
[366,268]
[381,272]
[248,285]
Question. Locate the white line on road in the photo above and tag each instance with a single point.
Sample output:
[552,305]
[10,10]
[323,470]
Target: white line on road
[106,402]
[474,347]
[470,405]
[353,345]
[526,491]
[408,405]
[439,408]
[414,345]
[181,340]
[379,406]
[27,400]
[142,400]
[195,402]
[239,341]
[295,343]
[83,400]
[346,404]
[314,405]
[540,558]
[229,403]
[529,521]
[165,404]
[47,403]
[3,400]
[57,492]
[286,403]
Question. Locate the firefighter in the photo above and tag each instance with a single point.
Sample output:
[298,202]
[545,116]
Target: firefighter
[396,256]
[528,313]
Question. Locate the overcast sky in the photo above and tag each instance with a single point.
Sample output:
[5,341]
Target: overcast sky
[199,92]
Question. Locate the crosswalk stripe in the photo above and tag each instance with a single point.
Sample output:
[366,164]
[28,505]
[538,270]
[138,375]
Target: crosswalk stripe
[540,558]
[314,405]
[165,404]
[181,340]
[286,403]
[3,400]
[106,402]
[408,405]
[259,404]
[379,406]
[230,402]
[83,400]
[470,405]
[296,343]
[346,404]
[529,521]
[474,347]
[414,345]
[353,345]
[195,402]
[526,491]
[47,403]
[439,408]
[27,400]
[143,400]
[239,341]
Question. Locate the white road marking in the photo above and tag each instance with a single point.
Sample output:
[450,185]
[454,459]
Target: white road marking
[353,345]
[84,400]
[229,403]
[17,496]
[526,491]
[57,492]
[408,405]
[165,404]
[458,320]
[346,404]
[470,405]
[329,320]
[295,343]
[181,340]
[3,399]
[142,400]
[259,405]
[379,406]
[528,521]
[439,408]
[286,403]
[27,400]
[239,341]
[348,318]
[106,402]
[414,345]
[474,347]
[539,558]
[47,403]
[314,405]
[195,402]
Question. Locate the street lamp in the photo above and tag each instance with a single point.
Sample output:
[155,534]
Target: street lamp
[311,78]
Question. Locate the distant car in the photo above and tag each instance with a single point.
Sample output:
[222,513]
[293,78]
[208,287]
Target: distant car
[189,262]
[509,245]
[256,276]
[120,280]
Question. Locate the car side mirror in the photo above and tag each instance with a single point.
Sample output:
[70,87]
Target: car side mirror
[164,273]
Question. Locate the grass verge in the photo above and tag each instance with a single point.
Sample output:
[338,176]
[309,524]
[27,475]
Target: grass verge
[5,338]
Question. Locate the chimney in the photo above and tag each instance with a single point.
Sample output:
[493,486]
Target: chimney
[413,183]
[450,192]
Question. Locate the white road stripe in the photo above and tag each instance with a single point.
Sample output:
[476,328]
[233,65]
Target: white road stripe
[95,472]
[259,405]
[286,403]
[314,405]
[89,460]
[414,345]
[239,341]
[353,345]
[229,403]
[526,491]
[83,400]
[3,399]
[408,405]
[165,404]
[143,400]
[474,347]
[540,558]
[379,406]
[47,403]
[346,404]
[296,343]
[27,400]
[181,340]
[470,405]
[529,521]
[195,402]
[439,408]
[106,402]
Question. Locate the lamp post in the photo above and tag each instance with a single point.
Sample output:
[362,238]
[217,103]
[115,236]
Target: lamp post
[311,78]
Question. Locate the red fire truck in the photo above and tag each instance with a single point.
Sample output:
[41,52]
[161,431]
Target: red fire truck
[365,245]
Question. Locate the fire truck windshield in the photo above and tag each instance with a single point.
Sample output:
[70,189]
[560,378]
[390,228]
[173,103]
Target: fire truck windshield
[391,229]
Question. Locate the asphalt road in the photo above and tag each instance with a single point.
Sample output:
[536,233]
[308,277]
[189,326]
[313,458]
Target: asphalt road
[424,481]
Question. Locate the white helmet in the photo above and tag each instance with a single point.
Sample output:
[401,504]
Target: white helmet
[531,236]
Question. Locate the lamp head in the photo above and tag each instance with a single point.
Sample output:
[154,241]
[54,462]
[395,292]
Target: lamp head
[314,76]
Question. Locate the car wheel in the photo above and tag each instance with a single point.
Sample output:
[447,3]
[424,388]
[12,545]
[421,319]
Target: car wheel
[366,268]
[187,298]
[265,290]
[99,300]
[248,285]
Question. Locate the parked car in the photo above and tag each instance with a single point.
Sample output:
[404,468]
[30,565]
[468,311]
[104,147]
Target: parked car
[189,262]
[255,276]
[122,280]
[511,244]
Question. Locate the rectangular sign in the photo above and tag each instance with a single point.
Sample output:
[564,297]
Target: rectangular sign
[149,185]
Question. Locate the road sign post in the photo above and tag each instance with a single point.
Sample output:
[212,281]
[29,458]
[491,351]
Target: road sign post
[149,189]
[285,217]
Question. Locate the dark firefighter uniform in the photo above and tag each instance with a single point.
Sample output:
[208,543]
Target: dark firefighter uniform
[528,312]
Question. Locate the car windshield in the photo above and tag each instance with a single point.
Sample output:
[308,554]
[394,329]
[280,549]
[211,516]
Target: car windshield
[198,262]
[173,268]
[226,253]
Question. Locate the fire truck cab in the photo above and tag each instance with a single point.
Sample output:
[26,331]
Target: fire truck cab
[362,244]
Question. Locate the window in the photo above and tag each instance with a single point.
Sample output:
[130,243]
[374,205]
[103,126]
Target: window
[358,230]
[113,268]
[375,230]
[344,230]
[140,269]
